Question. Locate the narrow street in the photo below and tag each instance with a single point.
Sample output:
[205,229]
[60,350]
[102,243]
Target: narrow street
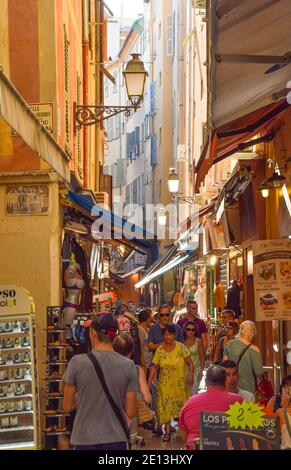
[145,225]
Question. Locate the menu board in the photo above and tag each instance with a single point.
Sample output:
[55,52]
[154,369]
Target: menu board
[272,279]
[216,434]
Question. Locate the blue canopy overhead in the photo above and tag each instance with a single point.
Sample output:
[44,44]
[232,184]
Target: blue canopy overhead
[112,225]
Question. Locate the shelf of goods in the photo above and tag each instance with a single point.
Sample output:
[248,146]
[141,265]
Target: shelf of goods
[19,404]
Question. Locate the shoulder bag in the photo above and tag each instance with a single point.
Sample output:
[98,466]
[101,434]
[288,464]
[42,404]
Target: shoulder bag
[242,353]
[114,406]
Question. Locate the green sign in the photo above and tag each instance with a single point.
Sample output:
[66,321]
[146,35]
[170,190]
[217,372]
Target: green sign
[217,434]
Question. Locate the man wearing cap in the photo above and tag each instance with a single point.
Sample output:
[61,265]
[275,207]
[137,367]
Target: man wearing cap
[96,426]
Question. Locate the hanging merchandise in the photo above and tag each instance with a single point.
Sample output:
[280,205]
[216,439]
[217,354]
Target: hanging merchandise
[233,298]
[219,296]
[74,285]
[201,299]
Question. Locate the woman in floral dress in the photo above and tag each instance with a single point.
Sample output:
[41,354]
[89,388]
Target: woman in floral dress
[173,386]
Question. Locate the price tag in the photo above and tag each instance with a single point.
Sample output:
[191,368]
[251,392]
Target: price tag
[245,415]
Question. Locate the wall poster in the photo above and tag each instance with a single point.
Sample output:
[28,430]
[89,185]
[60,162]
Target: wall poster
[27,200]
[272,279]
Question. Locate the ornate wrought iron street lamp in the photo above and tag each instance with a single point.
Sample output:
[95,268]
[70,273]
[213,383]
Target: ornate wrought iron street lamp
[135,78]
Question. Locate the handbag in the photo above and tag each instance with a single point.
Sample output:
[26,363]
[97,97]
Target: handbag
[115,408]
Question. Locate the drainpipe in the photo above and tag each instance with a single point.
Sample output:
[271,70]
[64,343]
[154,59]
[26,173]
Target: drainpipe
[85,89]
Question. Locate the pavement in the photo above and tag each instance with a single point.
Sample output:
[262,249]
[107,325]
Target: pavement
[155,442]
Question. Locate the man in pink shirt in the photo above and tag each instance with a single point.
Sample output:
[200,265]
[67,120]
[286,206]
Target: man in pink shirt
[214,399]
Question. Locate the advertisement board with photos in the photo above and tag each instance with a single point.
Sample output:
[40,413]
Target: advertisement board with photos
[272,279]
[216,434]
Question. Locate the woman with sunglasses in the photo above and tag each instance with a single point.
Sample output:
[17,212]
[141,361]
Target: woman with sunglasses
[173,388]
[195,348]
[232,329]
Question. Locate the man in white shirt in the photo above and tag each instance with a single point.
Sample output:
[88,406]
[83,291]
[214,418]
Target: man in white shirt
[232,378]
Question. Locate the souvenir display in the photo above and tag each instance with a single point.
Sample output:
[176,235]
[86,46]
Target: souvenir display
[18,383]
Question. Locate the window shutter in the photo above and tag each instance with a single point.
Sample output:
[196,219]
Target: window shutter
[67,86]
[170,35]
[152,98]
[120,177]
[154,160]
[79,153]
[137,145]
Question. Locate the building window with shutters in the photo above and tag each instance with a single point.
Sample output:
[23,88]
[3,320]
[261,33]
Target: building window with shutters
[154,158]
[152,98]
[79,153]
[137,143]
[170,38]
[67,87]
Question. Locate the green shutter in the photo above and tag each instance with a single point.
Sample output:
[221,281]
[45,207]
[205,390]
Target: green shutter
[79,154]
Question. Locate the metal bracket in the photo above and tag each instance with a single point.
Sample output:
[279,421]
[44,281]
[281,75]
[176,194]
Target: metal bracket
[253,59]
[89,115]
[187,199]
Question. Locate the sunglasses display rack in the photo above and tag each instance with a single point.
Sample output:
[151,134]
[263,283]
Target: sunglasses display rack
[19,404]
[56,430]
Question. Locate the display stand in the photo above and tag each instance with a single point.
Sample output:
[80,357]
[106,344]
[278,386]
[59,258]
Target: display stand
[56,428]
[19,404]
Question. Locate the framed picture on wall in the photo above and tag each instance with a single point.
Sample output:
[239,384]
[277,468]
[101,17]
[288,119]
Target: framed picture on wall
[27,199]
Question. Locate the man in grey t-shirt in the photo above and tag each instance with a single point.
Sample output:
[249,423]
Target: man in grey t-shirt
[96,426]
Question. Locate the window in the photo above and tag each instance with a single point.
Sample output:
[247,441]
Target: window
[131,139]
[137,138]
[160,79]
[160,136]
[142,138]
[170,35]
[79,156]
[152,98]
[154,157]
[160,30]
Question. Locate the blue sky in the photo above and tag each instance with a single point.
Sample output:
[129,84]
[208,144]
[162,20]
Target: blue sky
[131,7]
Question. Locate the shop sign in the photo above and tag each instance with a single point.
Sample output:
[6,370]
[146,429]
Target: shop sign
[15,301]
[216,434]
[272,279]
[44,113]
[27,200]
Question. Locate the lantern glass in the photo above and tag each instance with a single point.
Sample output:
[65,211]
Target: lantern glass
[173,181]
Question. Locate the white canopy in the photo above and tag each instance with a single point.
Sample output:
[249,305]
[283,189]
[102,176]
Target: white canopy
[247,27]
[18,115]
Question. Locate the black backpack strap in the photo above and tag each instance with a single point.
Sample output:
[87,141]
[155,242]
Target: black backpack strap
[114,406]
[242,353]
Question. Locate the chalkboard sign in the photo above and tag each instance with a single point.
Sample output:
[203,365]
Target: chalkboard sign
[215,434]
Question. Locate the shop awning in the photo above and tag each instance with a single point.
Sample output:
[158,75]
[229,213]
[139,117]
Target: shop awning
[109,225]
[18,115]
[236,136]
[191,222]
[248,38]
[171,260]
